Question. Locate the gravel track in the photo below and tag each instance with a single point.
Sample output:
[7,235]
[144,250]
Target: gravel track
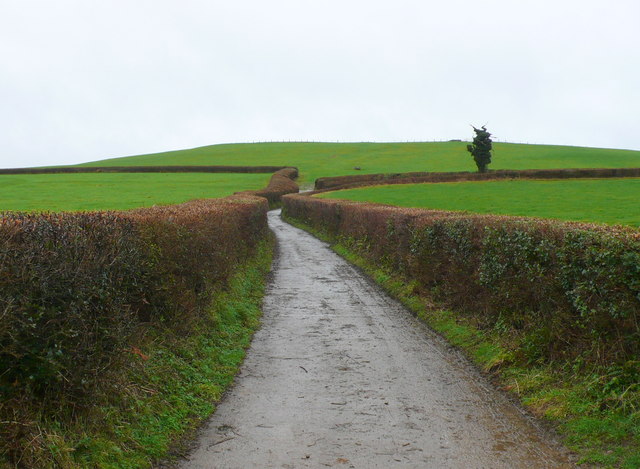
[341,375]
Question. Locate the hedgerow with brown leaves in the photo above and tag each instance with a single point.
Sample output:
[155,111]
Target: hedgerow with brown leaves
[281,183]
[565,289]
[76,287]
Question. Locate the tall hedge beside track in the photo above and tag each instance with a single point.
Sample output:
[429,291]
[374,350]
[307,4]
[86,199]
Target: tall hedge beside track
[76,287]
[564,289]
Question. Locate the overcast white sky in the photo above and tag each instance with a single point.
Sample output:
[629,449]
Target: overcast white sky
[82,80]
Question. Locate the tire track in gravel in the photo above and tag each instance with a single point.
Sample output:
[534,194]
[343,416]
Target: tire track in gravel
[341,375]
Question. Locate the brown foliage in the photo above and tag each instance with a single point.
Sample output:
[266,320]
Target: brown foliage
[281,183]
[564,288]
[75,287]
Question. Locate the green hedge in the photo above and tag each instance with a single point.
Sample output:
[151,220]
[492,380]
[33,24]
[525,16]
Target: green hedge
[564,289]
[75,288]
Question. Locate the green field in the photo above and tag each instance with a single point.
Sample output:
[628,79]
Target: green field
[122,191]
[337,159]
[611,201]
[117,191]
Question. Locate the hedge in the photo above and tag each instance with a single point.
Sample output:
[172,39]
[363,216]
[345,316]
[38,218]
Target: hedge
[281,183]
[76,287]
[359,180]
[564,289]
[145,169]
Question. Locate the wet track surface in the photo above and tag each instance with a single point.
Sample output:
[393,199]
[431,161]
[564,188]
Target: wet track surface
[341,375]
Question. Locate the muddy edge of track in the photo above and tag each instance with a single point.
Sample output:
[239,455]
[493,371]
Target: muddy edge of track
[341,375]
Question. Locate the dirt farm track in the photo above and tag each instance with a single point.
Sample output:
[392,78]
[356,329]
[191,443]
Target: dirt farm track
[341,375]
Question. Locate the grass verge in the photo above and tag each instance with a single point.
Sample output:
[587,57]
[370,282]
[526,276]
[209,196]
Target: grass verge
[169,385]
[595,410]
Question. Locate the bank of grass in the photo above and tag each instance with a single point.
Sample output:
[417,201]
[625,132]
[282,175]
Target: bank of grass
[171,384]
[121,191]
[611,200]
[595,410]
[316,160]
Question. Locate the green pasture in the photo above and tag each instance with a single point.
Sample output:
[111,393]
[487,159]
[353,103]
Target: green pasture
[337,159]
[122,191]
[117,191]
[610,201]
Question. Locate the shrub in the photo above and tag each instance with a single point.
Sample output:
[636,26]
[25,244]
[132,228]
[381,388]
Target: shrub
[281,183]
[571,288]
[69,284]
[75,287]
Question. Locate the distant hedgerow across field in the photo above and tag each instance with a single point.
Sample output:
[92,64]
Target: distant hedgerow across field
[611,201]
[143,169]
[363,180]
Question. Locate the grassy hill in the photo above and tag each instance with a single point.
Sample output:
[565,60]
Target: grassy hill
[336,159]
[122,191]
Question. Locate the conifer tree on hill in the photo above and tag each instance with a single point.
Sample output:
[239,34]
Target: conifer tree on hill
[481,148]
